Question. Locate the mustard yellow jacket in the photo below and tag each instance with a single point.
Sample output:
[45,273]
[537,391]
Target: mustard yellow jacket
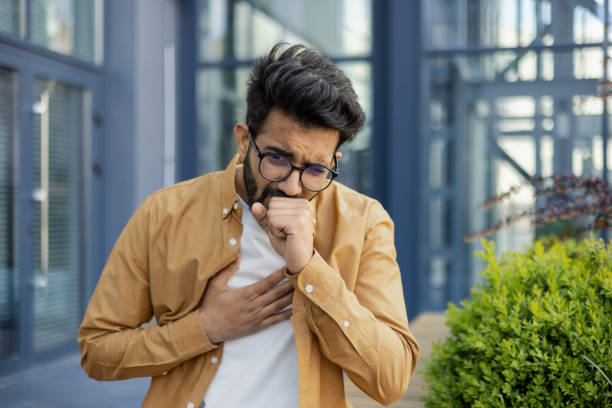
[348,306]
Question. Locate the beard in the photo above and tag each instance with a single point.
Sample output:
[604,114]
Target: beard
[250,185]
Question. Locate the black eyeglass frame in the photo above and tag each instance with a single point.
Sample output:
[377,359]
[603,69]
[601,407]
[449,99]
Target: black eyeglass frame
[261,155]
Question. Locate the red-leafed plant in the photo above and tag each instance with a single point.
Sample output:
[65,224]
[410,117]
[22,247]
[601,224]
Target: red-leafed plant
[574,205]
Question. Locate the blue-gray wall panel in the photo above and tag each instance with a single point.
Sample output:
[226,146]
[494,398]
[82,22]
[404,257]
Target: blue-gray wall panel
[397,50]
[119,140]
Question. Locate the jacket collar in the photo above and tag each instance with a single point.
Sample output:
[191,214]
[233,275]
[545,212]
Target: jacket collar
[229,196]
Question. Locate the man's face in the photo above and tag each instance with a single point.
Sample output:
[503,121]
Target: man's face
[303,147]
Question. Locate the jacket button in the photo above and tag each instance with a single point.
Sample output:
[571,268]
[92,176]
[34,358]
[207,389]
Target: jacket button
[225,211]
[346,323]
[164,373]
[232,241]
[308,288]
[236,205]
[214,360]
[190,405]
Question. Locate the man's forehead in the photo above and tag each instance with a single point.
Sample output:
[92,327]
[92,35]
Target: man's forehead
[306,147]
[281,132]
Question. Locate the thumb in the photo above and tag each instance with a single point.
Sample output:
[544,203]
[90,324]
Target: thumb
[260,213]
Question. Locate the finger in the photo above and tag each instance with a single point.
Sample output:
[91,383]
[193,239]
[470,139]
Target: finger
[224,275]
[273,294]
[286,217]
[260,213]
[292,212]
[277,306]
[262,285]
[283,225]
[276,318]
[283,202]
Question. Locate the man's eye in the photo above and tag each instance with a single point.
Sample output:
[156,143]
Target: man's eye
[277,159]
[317,170]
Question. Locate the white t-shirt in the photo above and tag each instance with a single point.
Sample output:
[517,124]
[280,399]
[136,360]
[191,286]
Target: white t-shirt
[260,370]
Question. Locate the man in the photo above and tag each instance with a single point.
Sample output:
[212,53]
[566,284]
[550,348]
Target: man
[224,260]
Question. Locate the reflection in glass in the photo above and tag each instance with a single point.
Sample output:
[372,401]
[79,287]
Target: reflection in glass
[356,165]
[511,114]
[244,29]
[440,163]
[71,27]
[58,215]
[11,17]
[588,63]
[438,282]
[440,230]
[519,235]
[514,66]
[511,23]
[221,103]
[9,218]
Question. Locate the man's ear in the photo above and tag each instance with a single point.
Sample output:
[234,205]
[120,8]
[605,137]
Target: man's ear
[241,134]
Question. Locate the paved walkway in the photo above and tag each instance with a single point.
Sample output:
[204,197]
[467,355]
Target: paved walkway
[62,383]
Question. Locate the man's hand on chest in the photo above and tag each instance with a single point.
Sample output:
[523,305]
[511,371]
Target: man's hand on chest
[228,313]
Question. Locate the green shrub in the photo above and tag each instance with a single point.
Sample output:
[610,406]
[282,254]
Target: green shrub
[526,336]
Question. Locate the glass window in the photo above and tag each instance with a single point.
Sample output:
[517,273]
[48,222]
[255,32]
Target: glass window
[72,27]
[440,227]
[439,270]
[511,23]
[58,217]
[11,17]
[9,217]
[509,115]
[356,163]
[244,29]
[523,66]
[221,103]
[440,163]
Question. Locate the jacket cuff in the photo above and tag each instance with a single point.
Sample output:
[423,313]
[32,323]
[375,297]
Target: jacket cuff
[318,281]
[189,336]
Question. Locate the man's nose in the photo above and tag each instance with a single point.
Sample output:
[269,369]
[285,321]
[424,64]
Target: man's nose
[291,185]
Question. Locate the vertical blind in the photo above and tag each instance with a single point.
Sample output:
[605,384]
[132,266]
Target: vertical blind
[8,219]
[58,215]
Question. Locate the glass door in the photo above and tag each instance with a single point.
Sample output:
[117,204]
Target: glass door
[45,198]
[9,216]
[58,233]
[51,55]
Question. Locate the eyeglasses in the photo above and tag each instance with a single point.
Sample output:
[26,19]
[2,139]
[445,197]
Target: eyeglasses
[276,167]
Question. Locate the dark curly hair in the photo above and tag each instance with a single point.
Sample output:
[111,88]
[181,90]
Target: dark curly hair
[306,86]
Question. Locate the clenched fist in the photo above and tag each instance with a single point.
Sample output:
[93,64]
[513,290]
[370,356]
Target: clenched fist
[290,228]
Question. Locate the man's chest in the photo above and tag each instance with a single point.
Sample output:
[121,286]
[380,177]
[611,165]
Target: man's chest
[257,257]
